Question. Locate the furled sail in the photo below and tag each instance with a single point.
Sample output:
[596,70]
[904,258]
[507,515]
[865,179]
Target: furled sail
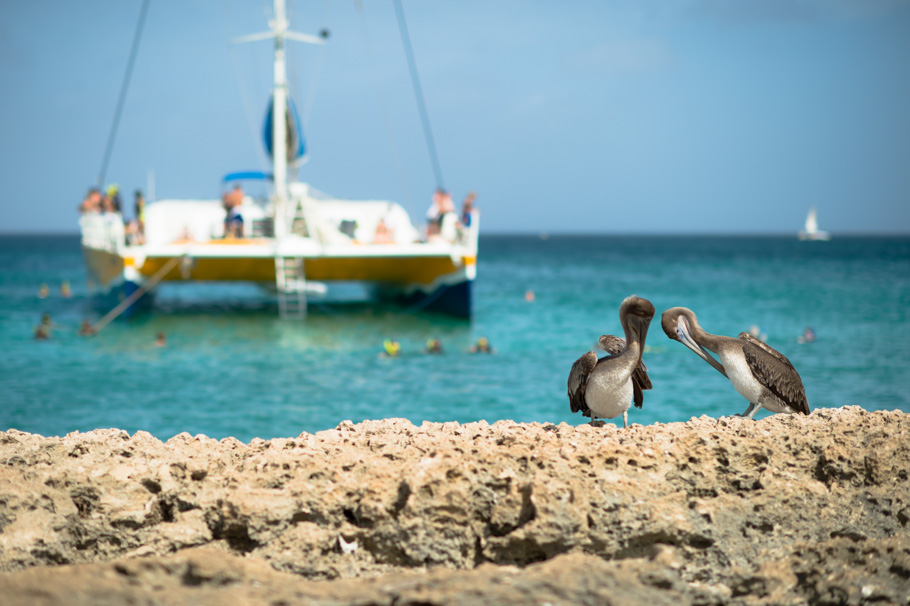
[296,150]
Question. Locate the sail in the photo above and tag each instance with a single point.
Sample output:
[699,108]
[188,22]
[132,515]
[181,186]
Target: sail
[812,221]
[296,149]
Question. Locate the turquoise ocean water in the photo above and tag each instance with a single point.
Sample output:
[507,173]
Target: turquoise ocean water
[232,368]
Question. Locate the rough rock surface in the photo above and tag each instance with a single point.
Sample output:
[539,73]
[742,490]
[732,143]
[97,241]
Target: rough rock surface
[789,509]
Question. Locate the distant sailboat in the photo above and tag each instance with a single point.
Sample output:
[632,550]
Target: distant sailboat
[811,231]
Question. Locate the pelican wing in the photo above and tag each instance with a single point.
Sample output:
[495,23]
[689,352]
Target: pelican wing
[777,374]
[578,380]
[614,345]
[749,338]
[611,344]
[640,382]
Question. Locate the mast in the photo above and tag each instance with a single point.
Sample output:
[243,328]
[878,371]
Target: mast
[279,122]
[279,32]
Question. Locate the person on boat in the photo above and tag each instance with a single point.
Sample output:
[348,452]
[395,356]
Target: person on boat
[383,233]
[482,346]
[131,232]
[441,219]
[468,211]
[92,201]
[434,346]
[233,222]
[434,214]
[140,217]
[110,203]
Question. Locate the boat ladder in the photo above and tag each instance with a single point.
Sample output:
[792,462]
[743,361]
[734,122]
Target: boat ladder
[290,283]
[298,221]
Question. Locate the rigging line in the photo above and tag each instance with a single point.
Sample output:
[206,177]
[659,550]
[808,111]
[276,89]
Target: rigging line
[294,69]
[415,80]
[146,286]
[383,107]
[123,88]
[244,91]
[310,99]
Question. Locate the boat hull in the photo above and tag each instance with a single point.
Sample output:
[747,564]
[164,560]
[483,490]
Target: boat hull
[433,282]
[452,299]
[109,284]
[388,269]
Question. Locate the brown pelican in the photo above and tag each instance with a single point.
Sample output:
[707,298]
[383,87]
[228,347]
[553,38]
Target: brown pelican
[605,388]
[760,373]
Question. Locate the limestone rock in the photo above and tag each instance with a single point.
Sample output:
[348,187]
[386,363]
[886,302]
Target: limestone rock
[789,509]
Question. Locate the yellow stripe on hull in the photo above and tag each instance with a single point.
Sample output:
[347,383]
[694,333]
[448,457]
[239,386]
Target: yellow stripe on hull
[401,270]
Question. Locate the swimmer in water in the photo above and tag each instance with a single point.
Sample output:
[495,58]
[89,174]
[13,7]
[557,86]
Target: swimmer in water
[86,329]
[482,346]
[43,330]
[161,340]
[434,346]
[390,349]
[808,335]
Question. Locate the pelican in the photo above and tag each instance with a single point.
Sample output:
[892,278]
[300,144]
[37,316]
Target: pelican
[605,388]
[760,373]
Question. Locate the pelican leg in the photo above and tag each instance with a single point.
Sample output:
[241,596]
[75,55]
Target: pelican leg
[748,411]
[754,410]
[625,418]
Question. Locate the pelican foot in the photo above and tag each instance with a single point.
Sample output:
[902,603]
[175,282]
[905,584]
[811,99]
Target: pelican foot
[752,414]
[750,411]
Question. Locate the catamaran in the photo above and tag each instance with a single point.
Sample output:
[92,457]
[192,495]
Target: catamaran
[811,231]
[295,241]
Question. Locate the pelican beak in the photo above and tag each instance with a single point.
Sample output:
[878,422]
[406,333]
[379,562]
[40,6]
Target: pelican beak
[643,332]
[685,337]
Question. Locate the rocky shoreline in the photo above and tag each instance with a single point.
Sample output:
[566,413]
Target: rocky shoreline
[790,509]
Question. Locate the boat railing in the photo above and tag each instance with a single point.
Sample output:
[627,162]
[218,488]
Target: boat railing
[102,231]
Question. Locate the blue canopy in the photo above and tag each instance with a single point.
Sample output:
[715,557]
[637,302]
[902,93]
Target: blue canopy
[250,175]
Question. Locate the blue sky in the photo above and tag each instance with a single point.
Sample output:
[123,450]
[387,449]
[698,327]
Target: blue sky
[715,116]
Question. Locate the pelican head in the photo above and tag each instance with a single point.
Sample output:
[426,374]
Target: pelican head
[680,324]
[636,313]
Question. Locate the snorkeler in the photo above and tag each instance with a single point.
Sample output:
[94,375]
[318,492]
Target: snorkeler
[86,329]
[43,330]
[482,346]
[808,335]
[391,349]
